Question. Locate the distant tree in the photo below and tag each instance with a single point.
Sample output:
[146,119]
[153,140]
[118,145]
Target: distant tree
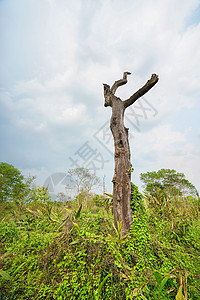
[168,181]
[11,182]
[39,194]
[83,179]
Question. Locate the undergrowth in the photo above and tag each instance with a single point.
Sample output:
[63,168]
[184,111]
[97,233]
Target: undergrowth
[54,250]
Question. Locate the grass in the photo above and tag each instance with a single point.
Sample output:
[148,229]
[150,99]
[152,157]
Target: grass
[54,250]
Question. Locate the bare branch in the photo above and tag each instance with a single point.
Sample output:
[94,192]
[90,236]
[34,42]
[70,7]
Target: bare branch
[150,83]
[106,88]
[119,82]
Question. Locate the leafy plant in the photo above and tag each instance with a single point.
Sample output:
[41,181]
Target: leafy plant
[62,250]
[169,181]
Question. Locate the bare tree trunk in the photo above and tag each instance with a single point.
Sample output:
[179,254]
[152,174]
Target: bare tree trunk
[122,174]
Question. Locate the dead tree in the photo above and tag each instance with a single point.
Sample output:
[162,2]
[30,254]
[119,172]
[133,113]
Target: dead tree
[122,174]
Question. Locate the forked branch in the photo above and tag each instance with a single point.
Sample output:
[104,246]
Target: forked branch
[150,83]
[119,82]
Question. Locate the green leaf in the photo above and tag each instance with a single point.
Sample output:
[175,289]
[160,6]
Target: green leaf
[112,238]
[5,275]
[158,277]
[115,229]
[97,292]
[109,195]
[78,212]
[163,283]
[102,283]
[77,227]
[19,267]
[75,242]
[119,228]
[118,264]
[179,295]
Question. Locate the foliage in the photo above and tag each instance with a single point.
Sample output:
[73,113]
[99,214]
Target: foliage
[39,194]
[107,202]
[14,187]
[11,182]
[137,203]
[62,250]
[168,181]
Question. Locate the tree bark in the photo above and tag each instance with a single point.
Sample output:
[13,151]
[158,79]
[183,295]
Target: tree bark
[122,173]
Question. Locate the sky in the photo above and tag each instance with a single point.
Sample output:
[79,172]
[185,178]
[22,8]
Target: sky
[55,56]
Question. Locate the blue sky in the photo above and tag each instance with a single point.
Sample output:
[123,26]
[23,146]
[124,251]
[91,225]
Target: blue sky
[55,55]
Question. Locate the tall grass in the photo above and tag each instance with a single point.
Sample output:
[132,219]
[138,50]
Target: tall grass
[54,250]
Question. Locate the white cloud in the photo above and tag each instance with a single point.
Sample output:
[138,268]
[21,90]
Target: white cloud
[56,55]
[161,140]
[165,147]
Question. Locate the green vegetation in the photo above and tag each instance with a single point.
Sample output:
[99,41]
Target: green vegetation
[11,182]
[71,250]
[169,181]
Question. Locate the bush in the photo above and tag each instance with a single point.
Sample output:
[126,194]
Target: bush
[54,250]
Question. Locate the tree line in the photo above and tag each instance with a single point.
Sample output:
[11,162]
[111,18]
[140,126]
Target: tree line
[14,186]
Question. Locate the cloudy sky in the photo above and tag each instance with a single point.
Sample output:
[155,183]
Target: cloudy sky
[55,55]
